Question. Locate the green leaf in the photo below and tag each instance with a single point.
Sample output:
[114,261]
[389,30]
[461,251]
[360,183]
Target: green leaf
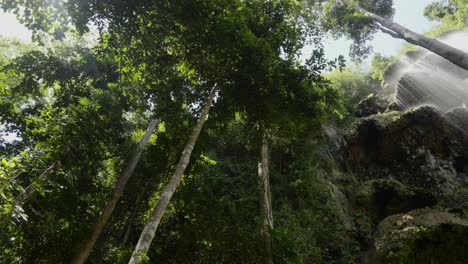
[84,101]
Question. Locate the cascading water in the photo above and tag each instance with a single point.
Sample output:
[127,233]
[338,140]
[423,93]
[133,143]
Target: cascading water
[422,77]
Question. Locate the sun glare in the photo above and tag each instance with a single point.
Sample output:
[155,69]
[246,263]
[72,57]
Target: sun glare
[10,27]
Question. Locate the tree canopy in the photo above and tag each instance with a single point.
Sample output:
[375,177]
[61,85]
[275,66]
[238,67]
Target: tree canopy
[202,96]
[448,11]
[79,109]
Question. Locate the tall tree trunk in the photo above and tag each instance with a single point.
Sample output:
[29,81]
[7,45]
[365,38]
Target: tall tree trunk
[266,211]
[149,231]
[454,55]
[106,213]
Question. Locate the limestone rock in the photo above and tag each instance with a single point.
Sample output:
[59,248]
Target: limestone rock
[370,105]
[420,148]
[382,197]
[421,236]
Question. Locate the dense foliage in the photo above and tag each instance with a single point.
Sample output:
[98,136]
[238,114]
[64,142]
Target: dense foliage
[77,111]
[448,11]
[72,111]
[354,84]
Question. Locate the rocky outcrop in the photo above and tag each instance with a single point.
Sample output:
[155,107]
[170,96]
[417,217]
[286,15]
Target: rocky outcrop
[419,147]
[457,118]
[408,161]
[382,197]
[370,105]
[408,200]
[445,91]
[420,236]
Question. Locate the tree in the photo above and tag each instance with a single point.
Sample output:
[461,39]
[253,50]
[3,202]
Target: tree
[266,210]
[107,211]
[354,84]
[379,66]
[151,226]
[65,109]
[166,50]
[245,79]
[340,17]
[448,11]
[439,10]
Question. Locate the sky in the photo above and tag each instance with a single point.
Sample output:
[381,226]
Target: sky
[10,27]
[409,13]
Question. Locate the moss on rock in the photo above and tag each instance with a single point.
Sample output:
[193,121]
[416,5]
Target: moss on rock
[371,105]
[384,197]
[421,236]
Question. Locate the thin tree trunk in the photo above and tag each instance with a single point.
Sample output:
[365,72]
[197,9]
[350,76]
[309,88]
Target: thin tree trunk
[266,211]
[129,223]
[106,213]
[127,232]
[454,55]
[149,231]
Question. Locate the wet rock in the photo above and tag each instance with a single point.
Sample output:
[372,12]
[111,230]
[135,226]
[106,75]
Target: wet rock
[334,142]
[411,156]
[342,202]
[382,197]
[458,117]
[420,236]
[432,80]
[423,88]
[393,106]
[421,77]
[371,105]
[400,162]
[419,148]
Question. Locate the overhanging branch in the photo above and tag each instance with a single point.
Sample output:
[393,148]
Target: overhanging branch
[388,31]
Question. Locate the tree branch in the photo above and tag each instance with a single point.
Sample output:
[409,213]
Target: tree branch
[29,191]
[388,31]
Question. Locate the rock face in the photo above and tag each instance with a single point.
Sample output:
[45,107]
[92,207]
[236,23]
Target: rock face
[420,147]
[445,91]
[457,118]
[407,161]
[370,106]
[383,197]
[421,236]
[408,201]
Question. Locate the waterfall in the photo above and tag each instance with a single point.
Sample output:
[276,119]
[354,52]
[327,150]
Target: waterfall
[421,77]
